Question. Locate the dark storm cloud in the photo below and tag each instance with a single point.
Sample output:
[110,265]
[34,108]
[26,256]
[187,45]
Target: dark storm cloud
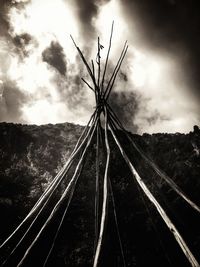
[86,11]
[71,88]
[11,97]
[21,42]
[170,25]
[54,56]
[5,6]
[18,43]
[125,105]
[154,117]
[11,101]
[4,21]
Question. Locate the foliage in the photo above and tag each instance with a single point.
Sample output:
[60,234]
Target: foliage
[30,156]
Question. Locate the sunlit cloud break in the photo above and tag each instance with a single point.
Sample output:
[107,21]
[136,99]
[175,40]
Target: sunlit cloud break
[42,65]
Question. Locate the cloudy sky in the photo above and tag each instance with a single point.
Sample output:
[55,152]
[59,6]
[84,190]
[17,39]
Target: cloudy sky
[158,88]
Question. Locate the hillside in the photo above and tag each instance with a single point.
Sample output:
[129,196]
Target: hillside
[30,156]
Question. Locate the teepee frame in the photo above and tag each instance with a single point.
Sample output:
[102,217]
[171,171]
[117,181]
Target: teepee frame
[94,128]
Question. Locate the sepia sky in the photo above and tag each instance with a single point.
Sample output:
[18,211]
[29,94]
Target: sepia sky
[158,88]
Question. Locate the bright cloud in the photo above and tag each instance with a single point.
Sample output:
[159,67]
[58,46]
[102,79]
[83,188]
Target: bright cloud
[156,79]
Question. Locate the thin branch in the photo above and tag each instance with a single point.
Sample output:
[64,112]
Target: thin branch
[88,84]
[54,181]
[93,73]
[64,214]
[85,62]
[105,196]
[93,69]
[113,74]
[55,209]
[107,57]
[97,187]
[153,223]
[41,206]
[98,62]
[164,176]
[117,225]
[156,204]
[113,81]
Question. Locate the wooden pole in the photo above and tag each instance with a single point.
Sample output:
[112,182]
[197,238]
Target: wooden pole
[105,196]
[166,219]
